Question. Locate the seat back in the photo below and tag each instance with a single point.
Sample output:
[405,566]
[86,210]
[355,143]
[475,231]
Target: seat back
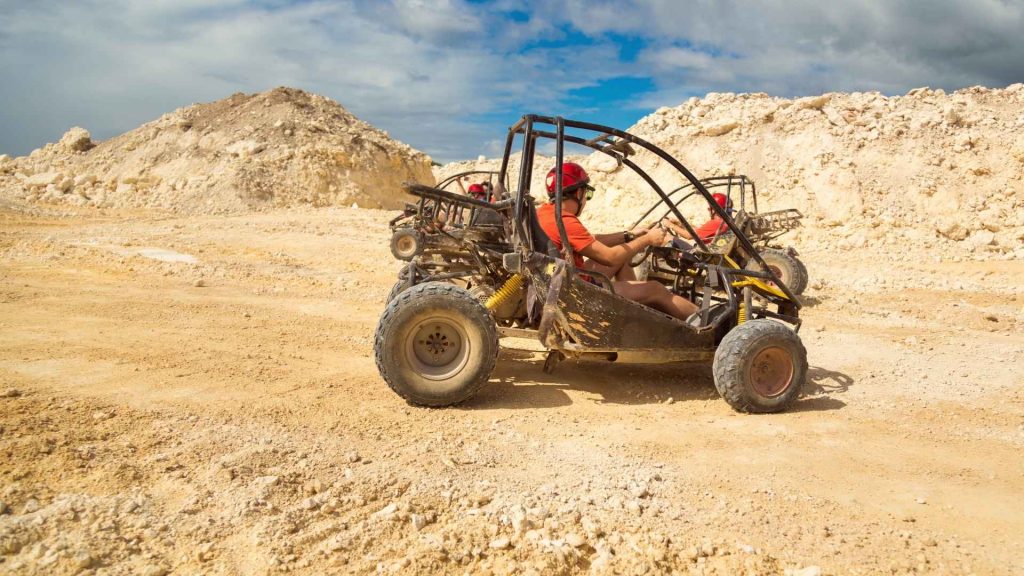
[541,242]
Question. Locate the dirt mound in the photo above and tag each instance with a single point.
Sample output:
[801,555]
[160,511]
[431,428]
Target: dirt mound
[928,171]
[283,147]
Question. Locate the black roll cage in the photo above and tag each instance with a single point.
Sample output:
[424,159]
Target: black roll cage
[618,145]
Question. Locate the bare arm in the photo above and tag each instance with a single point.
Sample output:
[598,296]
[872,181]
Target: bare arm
[621,253]
[611,238]
[618,238]
[678,228]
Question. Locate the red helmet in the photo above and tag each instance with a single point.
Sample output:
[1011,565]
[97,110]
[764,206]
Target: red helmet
[574,177]
[722,200]
[477,189]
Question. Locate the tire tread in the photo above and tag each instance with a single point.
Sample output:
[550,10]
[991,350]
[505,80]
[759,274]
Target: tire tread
[417,296]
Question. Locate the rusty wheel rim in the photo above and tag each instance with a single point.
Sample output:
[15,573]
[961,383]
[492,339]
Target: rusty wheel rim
[778,273]
[771,372]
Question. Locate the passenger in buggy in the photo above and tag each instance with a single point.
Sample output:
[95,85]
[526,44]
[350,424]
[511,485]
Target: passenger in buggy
[608,254]
[707,231]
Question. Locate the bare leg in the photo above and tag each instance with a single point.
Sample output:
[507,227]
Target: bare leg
[656,296]
[622,273]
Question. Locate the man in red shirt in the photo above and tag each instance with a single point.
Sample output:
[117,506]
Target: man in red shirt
[608,254]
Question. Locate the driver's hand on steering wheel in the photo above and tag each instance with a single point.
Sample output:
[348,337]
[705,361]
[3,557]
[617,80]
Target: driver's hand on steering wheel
[655,237]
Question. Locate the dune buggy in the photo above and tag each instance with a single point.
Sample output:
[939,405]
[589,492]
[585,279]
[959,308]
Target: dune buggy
[447,235]
[436,342]
[761,228]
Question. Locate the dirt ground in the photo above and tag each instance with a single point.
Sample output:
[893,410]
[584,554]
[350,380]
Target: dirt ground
[198,395]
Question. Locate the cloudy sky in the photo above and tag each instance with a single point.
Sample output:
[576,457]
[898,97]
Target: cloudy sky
[449,76]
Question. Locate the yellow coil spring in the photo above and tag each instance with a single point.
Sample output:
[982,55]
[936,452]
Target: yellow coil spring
[511,287]
[742,315]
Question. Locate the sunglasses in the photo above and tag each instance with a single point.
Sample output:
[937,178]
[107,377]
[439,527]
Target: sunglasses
[590,191]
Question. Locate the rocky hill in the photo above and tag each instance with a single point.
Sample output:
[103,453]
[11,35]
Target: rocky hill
[927,170]
[283,147]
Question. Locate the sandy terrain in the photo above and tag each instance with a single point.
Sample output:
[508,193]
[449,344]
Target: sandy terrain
[184,395]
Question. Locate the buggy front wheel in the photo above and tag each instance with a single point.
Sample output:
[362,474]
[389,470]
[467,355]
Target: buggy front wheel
[760,366]
[436,344]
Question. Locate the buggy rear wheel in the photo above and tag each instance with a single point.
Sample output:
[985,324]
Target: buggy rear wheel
[760,366]
[788,268]
[406,244]
[436,345]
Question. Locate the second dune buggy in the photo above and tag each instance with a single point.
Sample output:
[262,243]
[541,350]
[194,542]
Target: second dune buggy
[762,229]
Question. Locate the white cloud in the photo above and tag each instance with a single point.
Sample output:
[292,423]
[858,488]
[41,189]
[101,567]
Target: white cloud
[448,76]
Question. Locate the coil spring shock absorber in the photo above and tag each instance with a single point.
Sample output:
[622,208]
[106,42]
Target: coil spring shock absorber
[744,309]
[507,290]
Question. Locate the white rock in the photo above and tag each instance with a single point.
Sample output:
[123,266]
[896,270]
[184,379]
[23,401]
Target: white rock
[720,128]
[387,511]
[43,179]
[950,228]
[84,179]
[245,148]
[65,184]
[982,238]
[500,543]
[575,540]
[421,521]
[813,102]
[76,140]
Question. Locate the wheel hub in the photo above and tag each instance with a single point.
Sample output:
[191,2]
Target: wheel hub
[436,345]
[771,371]
[438,348]
[406,245]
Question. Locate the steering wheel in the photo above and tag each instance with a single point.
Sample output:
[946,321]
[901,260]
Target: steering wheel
[668,229]
[642,255]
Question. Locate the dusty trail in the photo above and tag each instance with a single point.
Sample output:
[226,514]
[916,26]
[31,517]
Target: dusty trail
[225,416]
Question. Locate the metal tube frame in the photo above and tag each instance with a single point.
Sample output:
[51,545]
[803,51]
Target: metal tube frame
[525,127]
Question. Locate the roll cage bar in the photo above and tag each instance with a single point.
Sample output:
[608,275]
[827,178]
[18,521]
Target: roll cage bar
[617,144]
[490,174]
[740,182]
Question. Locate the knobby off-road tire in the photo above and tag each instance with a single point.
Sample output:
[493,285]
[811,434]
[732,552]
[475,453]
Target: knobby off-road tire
[788,268]
[802,273]
[397,289]
[406,244]
[436,345]
[760,367]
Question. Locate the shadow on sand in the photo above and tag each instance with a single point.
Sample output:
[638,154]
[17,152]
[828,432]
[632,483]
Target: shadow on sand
[519,381]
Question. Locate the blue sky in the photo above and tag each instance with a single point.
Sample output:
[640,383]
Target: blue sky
[448,76]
